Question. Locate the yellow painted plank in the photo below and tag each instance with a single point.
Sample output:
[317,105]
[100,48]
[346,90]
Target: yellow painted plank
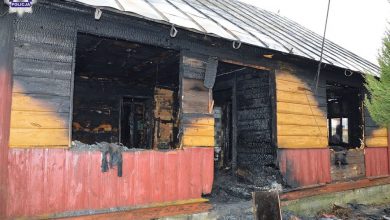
[284,85]
[302,142]
[299,130]
[298,87]
[202,130]
[293,119]
[198,141]
[375,132]
[299,98]
[38,137]
[376,142]
[300,109]
[40,102]
[198,121]
[26,119]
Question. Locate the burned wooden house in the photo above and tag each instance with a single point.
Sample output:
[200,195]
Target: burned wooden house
[185,86]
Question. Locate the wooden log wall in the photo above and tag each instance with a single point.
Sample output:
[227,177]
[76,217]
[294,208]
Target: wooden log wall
[197,120]
[41,95]
[301,114]
[254,119]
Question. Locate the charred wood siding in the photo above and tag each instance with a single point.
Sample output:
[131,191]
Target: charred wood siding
[254,118]
[42,80]
[197,120]
[301,114]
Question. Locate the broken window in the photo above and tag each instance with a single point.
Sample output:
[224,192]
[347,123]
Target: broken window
[345,119]
[125,93]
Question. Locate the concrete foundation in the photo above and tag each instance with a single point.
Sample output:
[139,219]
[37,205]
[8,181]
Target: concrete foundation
[310,206]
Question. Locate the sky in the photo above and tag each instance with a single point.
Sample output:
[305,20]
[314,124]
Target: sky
[357,25]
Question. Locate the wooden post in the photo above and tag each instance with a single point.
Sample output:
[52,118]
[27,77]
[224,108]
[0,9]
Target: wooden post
[6,56]
[234,124]
[266,205]
[197,121]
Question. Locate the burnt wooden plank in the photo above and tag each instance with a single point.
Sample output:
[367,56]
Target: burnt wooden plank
[42,69]
[28,85]
[36,33]
[234,124]
[195,96]
[198,119]
[28,137]
[40,103]
[39,51]
[266,206]
[26,119]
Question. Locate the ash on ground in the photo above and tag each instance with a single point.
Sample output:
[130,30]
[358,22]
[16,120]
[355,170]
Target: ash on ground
[238,186]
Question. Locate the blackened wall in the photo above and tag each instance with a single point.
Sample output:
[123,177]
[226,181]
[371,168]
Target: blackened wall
[254,119]
[42,73]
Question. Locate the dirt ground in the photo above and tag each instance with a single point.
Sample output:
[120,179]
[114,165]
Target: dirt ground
[350,211]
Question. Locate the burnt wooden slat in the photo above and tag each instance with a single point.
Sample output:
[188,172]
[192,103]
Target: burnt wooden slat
[42,69]
[33,85]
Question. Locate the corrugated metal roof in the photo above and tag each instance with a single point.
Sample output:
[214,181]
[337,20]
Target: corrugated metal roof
[240,22]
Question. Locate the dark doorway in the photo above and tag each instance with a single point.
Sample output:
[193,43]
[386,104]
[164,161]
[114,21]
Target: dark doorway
[242,95]
[136,122]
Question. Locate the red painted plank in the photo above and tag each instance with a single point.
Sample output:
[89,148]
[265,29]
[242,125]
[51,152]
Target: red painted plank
[77,198]
[95,178]
[196,172]
[157,167]
[302,167]
[126,196]
[35,180]
[171,176]
[142,180]
[19,166]
[54,179]
[47,181]
[207,170]
[377,161]
[184,176]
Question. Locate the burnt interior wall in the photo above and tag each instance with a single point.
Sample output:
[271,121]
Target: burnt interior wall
[96,107]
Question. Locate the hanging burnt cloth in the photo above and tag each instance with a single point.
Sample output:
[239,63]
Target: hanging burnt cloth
[111,156]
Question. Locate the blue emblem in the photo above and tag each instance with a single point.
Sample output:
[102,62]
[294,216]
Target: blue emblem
[20,3]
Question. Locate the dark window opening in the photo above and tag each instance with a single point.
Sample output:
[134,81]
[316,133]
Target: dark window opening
[125,93]
[345,118]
